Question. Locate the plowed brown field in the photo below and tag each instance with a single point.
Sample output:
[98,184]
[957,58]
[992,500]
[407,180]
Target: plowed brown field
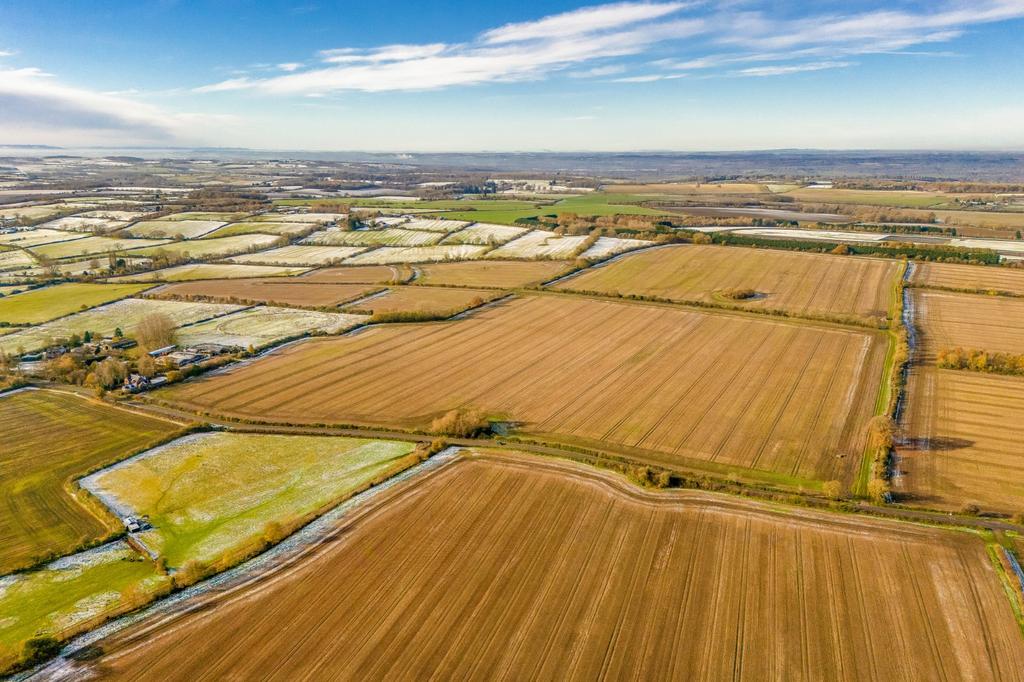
[497,274]
[501,568]
[964,432]
[424,300]
[974,277]
[798,283]
[680,387]
[271,291]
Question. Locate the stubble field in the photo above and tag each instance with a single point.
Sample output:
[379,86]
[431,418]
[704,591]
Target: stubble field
[963,435]
[494,274]
[969,277]
[798,283]
[422,300]
[544,570]
[46,439]
[718,391]
[991,323]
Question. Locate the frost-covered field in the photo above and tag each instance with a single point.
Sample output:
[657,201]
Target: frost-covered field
[69,592]
[994,244]
[187,229]
[93,246]
[249,227]
[121,216]
[209,493]
[214,246]
[429,225]
[300,255]
[265,325]
[39,235]
[816,235]
[391,236]
[181,273]
[85,223]
[33,212]
[485,233]
[15,260]
[609,246]
[540,244]
[417,254]
[124,314]
[300,217]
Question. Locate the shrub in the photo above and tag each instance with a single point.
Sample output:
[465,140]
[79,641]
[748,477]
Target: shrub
[738,294]
[970,509]
[39,649]
[463,422]
[833,490]
[878,490]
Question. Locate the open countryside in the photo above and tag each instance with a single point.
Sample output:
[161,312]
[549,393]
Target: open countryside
[618,340]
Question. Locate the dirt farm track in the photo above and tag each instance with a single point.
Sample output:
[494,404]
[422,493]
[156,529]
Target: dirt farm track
[452,575]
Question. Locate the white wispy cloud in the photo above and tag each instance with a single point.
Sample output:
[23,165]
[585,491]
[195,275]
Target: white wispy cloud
[513,52]
[716,38]
[36,105]
[290,66]
[6,53]
[783,70]
[581,21]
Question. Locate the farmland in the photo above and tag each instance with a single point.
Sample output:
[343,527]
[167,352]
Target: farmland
[569,570]
[969,278]
[990,323]
[46,439]
[209,494]
[212,247]
[85,223]
[388,255]
[610,246]
[391,236]
[718,392]
[15,259]
[199,271]
[482,233]
[496,274]
[123,314]
[47,303]
[265,325]
[94,246]
[963,435]
[798,283]
[286,229]
[39,236]
[436,225]
[71,594]
[437,301]
[300,255]
[272,291]
[171,229]
[540,244]
[363,274]
[309,218]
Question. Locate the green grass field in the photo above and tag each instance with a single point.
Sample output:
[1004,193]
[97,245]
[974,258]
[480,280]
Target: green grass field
[72,594]
[46,440]
[47,303]
[210,495]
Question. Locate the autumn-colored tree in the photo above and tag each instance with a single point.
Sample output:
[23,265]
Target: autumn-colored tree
[155,331]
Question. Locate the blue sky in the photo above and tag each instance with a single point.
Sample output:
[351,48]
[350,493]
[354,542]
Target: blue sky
[465,76]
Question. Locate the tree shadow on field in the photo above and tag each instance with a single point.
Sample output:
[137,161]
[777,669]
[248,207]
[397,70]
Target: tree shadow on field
[938,444]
